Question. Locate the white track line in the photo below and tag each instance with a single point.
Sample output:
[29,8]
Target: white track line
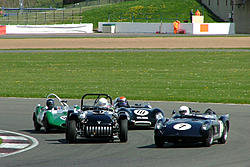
[13,138]
[2,154]
[34,143]
[13,145]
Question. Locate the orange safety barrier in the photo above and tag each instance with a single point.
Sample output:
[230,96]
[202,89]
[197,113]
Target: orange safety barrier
[2,30]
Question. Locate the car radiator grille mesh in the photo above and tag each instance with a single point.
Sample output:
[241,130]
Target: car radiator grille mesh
[98,131]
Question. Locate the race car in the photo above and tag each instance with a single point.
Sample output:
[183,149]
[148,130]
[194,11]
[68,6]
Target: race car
[96,120]
[191,126]
[52,115]
[139,115]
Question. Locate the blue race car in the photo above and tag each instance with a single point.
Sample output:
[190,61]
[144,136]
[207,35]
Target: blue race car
[190,126]
[139,115]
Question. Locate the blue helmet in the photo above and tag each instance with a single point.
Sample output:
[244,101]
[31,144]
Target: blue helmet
[50,104]
[121,102]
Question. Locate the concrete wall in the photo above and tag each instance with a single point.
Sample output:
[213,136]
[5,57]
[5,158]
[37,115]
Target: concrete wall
[213,28]
[46,29]
[242,16]
[195,28]
[128,27]
[221,8]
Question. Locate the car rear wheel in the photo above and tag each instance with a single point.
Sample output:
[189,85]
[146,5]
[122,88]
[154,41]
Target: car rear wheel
[71,131]
[46,124]
[209,139]
[37,126]
[223,138]
[123,130]
[159,142]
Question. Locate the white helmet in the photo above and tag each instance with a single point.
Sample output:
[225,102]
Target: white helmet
[103,102]
[184,110]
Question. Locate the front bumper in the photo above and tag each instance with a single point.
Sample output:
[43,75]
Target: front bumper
[178,137]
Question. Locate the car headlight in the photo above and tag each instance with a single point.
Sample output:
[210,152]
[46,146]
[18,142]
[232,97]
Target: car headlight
[158,115]
[159,124]
[83,115]
[205,126]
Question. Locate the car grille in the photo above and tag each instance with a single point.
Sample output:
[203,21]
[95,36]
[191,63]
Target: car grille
[142,123]
[98,131]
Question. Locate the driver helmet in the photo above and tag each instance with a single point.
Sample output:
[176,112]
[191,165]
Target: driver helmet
[121,102]
[184,110]
[103,102]
[50,104]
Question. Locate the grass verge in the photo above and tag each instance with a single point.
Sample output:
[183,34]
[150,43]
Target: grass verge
[168,76]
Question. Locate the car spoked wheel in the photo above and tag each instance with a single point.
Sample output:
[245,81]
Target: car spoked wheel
[210,138]
[71,131]
[159,142]
[37,126]
[224,136]
[46,124]
[124,130]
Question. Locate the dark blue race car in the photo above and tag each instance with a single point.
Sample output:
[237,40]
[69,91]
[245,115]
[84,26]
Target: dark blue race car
[138,115]
[96,119]
[192,127]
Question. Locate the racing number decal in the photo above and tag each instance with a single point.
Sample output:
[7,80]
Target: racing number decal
[141,112]
[182,126]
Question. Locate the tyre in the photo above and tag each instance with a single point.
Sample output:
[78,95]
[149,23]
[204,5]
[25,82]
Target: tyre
[66,129]
[224,136]
[210,138]
[37,126]
[159,142]
[71,131]
[46,124]
[123,130]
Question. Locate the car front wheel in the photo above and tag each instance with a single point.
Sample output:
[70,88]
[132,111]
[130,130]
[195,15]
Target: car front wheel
[124,130]
[37,126]
[223,138]
[46,124]
[209,139]
[71,131]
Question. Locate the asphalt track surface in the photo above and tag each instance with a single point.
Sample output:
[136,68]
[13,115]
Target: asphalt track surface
[16,115]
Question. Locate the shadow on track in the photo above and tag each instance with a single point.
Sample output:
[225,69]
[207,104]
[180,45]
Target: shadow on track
[172,145]
[42,131]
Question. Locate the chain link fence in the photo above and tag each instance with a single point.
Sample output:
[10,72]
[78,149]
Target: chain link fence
[73,16]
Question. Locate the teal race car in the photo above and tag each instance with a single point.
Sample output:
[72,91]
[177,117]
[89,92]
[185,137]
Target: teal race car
[53,115]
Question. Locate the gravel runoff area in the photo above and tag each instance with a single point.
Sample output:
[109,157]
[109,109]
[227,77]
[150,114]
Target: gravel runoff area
[122,43]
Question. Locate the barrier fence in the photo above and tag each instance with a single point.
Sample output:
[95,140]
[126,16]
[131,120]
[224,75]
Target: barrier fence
[42,17]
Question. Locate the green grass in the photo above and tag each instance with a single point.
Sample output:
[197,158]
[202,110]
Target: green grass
[177,76]
[1,141]
[168,10]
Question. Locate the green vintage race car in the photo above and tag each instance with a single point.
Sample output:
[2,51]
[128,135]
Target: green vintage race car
[53,115]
